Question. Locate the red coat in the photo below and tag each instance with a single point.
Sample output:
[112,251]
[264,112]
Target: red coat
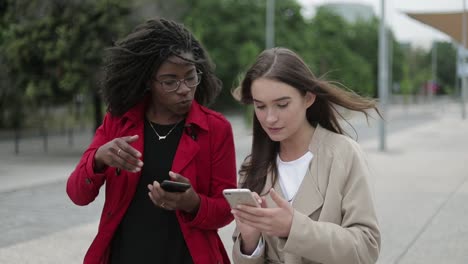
[208,160]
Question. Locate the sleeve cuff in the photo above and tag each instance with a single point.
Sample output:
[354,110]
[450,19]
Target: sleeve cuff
[256,258]
[196,219]
[90,174]
[258,251]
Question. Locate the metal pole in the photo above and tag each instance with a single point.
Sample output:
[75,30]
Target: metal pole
[270,24]
[390,69]
[383,75]
[434,70]
[464,81]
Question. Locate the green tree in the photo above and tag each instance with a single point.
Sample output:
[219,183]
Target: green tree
[446,65]
[5,88]
[226,33]
[234,34]
[416,71]
[54,48]
[334,58]
[292,29]
[363,39]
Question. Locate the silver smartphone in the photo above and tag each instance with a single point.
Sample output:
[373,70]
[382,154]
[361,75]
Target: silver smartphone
[240,196]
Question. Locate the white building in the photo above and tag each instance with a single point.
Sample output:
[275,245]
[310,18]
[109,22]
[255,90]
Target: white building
[351,12]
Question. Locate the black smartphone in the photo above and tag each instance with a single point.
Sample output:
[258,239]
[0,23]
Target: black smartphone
[172,186]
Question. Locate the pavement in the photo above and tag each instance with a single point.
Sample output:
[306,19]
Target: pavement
[419,183]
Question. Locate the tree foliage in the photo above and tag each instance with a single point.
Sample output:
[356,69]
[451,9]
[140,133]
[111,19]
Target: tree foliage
[52,50]
[234,34]
[446,56]
[224,34]
[416,71]
[334,59]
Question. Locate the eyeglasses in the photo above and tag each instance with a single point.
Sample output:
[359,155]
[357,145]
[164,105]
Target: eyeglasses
[171,85]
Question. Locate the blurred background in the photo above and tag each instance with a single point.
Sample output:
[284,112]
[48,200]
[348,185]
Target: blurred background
[51,52]
[50,67]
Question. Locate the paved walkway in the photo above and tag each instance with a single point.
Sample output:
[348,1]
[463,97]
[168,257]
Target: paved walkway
[420,186]
[421,189]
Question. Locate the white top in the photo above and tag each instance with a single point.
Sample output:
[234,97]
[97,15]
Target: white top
[291,174]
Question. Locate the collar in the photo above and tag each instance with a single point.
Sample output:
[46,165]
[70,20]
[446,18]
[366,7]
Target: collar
[319,134]
[197,116]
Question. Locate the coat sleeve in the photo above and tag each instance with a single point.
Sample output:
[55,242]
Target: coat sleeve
[357,239]
[237,255]
[83,184]
[240,258]
[214,211]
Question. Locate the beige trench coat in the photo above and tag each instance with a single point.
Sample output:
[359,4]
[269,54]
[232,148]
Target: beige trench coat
[334,218]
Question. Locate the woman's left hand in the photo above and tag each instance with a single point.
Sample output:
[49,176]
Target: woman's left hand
[271,221]
[187,201]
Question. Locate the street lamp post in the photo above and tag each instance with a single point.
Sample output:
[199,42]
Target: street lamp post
[270,24]
[434,71]
[383,76]
[463,76]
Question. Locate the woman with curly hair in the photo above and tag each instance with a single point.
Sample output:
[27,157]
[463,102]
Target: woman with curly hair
[156,81]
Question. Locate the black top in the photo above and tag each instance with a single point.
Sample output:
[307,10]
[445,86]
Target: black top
[147,233]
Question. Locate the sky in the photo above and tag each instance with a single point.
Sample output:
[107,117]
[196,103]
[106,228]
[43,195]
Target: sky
[405,29]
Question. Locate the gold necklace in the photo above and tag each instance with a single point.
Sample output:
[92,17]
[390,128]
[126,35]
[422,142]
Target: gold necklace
[162,137]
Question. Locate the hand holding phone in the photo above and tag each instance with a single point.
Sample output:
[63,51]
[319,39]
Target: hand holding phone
[240,196]
[173,186]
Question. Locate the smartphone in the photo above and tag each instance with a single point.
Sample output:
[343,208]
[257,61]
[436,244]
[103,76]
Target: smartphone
[172,186]
[240,196]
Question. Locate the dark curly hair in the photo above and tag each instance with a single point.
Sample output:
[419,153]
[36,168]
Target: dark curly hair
[132,61]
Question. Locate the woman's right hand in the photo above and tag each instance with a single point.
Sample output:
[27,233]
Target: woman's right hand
[119,154]
[250,236]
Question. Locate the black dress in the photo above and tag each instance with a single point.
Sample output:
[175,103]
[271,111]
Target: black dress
[147,233]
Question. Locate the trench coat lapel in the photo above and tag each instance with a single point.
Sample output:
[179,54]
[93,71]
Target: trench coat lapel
[188,146]
[185,153]
[268,186]
[308,198]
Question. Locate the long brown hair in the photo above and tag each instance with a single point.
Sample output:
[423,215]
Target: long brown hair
[285,66]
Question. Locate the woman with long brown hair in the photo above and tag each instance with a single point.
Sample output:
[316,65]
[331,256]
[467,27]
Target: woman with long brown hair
[312,180]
